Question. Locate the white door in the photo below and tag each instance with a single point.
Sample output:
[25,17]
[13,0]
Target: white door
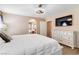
[43,28]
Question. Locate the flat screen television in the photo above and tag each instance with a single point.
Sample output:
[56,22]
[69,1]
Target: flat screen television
[64,21]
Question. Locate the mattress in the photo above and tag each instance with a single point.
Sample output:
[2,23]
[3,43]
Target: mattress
[31,44]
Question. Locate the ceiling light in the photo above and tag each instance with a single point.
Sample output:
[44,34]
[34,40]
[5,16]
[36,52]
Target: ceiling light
[40,10]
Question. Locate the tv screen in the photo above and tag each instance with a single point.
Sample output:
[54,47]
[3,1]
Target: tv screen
[64,21]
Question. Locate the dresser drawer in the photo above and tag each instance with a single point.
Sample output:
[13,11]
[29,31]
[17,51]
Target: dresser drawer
[66,37]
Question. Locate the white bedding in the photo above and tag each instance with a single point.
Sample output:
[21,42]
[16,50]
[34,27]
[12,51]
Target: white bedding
[30,44]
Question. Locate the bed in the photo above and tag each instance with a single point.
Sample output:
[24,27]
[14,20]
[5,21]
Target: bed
[31,44]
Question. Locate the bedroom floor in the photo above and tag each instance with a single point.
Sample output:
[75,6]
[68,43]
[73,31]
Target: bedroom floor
[68,51]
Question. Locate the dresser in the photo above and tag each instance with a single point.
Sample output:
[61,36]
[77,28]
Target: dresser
[77,40]
[68,38]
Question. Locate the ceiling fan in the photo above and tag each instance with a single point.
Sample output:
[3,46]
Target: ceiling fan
[40,9]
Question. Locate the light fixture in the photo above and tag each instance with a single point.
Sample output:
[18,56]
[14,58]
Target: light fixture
[40,10]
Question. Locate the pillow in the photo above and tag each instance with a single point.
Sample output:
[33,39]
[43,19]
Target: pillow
[5,37]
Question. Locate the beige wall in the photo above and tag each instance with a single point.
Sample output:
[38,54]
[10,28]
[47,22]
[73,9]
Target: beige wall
[18,24]
[74,12]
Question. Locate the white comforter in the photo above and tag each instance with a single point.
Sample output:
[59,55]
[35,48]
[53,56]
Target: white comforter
[31,44]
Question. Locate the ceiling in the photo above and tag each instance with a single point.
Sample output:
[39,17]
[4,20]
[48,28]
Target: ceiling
[29,9]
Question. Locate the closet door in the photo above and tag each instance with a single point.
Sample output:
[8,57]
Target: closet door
[43,28]
[49,28]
